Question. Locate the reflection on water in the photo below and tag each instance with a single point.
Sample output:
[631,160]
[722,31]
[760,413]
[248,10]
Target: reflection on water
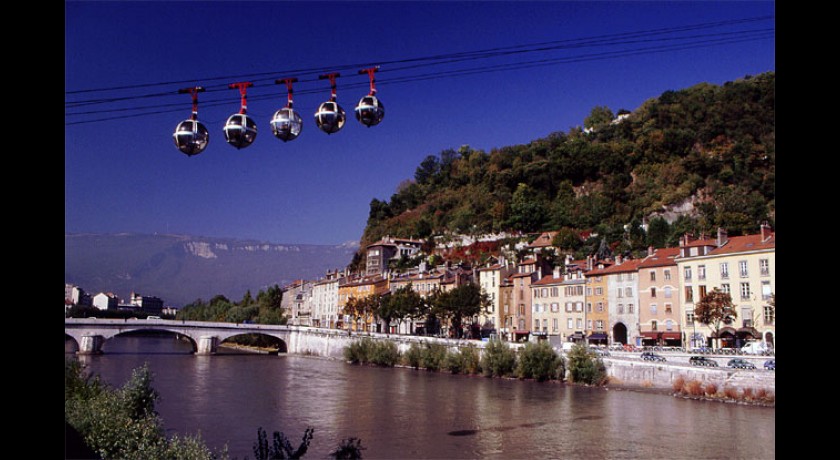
[403,413]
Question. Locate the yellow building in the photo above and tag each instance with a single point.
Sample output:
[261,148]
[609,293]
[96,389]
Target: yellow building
[597,305]
[744,267]
[359,288]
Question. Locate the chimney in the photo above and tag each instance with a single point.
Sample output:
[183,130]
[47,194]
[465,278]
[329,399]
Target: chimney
[589,262]
[618,259]
[650,251]
[766,231]
[569,259]
[722,237]
[556,273]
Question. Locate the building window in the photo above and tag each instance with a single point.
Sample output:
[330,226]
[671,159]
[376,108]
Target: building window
[668,308]
[687,273]
[579,323]
[746,317]
[653,325]
[702,291]
[769,315]
[653,309]
[570,323]
[599,291]
[536,325]
[555,307]
[689,294]
[579,306]
[725,288]
[536,308]
[554,324]
[745,291]
[588,291]
[568,306]
[544,292]
[766,293]
[599,325]
[630,308]
[667,290]
[652,275]
[601,306]
[620,309]
[701,272]
[628,292]
[630,277]
[653,292]
[764,266]
[667,275]
[742,268]
[669,325]
[724,270]
[689,317]
[620,293]
[545,325]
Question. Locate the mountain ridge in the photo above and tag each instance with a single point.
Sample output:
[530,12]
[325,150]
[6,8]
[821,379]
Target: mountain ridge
[182,268]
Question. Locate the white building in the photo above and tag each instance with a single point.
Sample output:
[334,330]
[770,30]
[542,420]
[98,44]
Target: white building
[105,301]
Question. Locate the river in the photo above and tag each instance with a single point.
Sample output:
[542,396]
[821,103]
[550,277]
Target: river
[405,413]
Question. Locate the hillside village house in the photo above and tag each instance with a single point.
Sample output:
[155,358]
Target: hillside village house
[744,267]
[622,294]
[383,251]
[297,302]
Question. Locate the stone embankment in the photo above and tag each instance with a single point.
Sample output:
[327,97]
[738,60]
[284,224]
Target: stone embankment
[644,374]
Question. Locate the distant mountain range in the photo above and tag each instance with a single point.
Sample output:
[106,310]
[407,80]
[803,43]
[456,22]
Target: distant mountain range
[181,268]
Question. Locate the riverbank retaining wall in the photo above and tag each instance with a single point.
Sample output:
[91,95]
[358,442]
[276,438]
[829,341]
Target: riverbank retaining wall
[659,375]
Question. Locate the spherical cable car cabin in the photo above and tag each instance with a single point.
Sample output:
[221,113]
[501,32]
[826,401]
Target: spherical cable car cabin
[286,123]
[330,117]
[240,129]
[370,110]
[191,136]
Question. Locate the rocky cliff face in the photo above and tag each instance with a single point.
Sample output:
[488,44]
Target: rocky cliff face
[182,268]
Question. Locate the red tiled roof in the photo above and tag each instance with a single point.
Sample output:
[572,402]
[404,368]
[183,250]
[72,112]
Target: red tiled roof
[631,265]
[548,280]
[706,242]
[745,244]
[543,240]
[661,258]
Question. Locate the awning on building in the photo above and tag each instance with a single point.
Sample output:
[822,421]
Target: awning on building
[671,336]
[597,336]
[651,334]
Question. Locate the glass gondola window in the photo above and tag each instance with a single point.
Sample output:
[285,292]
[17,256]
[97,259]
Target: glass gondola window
[287,124]
[240,129]
[191,136]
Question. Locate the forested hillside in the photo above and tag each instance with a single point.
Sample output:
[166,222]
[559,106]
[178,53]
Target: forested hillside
[694,159]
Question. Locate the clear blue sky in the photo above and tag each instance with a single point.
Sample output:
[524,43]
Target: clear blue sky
[125,174]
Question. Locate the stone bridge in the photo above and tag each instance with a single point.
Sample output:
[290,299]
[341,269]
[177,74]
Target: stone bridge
[90,333]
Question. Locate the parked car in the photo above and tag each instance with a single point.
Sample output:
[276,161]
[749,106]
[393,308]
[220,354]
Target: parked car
[599,352]
[770,364]
[702,361]
[740,363]
[754,348]
[651,356]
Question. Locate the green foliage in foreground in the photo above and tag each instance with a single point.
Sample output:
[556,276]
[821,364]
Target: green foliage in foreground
[464,361]
[368,351]
[499,360]
[539,361]
[585,367]
[281,448]
[122,423]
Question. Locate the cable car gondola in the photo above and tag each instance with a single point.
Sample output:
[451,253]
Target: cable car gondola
[370,110]
[330,117]
[287,124]
[240,129]
[191,136]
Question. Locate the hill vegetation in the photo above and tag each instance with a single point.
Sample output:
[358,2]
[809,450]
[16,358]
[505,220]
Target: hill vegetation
[689,160]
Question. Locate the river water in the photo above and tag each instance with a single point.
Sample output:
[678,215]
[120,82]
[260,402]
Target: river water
[405,413]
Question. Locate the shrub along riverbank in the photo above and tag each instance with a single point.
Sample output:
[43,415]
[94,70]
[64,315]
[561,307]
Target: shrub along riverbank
[533,361]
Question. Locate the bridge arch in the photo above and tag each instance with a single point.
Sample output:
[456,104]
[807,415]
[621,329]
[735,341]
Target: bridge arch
[259,339]
[157,331]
